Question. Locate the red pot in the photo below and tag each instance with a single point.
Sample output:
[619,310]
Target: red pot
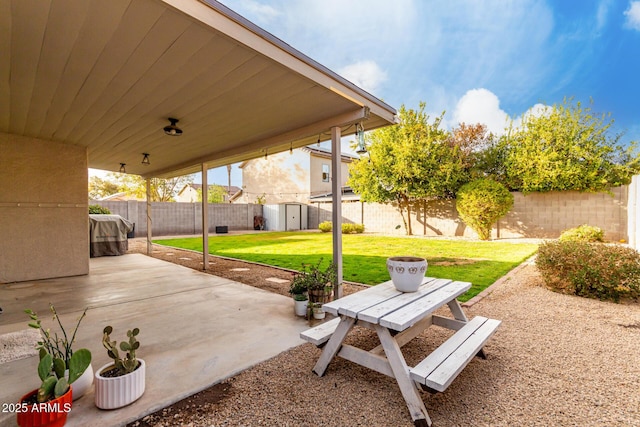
[51,414]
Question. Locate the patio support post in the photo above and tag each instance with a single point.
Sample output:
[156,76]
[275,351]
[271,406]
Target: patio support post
[336,212]
[205,218]
[148,188]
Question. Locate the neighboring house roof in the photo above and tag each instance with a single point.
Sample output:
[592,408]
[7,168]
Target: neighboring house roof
[122,196]
[347,195]
[231,191]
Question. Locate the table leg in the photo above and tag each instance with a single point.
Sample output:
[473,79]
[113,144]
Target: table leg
[400,370]
[333,345]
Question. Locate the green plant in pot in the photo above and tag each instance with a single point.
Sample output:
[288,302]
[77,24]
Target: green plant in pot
[122,381]
[60,347]
[318,282]
[58,368]
[298,290]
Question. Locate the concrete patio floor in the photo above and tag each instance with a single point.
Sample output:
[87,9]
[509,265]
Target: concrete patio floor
[195,329]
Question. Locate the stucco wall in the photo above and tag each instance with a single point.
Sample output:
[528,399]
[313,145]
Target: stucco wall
[540,215]
[43,209]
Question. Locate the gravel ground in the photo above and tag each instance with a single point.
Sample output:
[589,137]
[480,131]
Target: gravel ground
[556,360]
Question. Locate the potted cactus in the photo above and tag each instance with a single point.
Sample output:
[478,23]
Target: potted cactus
[122,381]
[49,404]
[60,347]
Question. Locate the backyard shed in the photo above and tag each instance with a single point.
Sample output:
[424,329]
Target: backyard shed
[285,217]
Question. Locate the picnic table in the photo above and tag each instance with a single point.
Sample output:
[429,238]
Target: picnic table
[397,318]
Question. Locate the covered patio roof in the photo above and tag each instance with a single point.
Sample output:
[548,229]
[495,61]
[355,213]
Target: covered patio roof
[107,75]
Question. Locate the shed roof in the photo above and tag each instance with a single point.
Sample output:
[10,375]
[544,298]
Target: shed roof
[107,75]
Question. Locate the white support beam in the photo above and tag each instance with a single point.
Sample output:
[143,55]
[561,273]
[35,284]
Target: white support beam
[205,218]
[149,246]
[336,214]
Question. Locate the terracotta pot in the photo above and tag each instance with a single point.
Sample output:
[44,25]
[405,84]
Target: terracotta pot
[50,414]
[407,272]
[116,392]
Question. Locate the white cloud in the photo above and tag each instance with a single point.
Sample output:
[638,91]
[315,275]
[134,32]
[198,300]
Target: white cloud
[633,15]
[481,106]
[366,74]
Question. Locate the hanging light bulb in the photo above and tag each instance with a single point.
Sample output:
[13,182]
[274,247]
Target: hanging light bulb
[265,154]
[291,148]
[122,168]
[145,159]
[172,129]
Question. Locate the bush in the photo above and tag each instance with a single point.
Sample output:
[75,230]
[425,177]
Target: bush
[97,209]
[325,226]
[606,272]
[481,203]
[352,228]
[583,233]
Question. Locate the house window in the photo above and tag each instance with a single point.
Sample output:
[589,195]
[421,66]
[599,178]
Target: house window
[325,173]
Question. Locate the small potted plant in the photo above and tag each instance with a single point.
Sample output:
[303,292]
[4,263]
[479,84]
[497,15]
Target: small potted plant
[61,350]
[122,381]
[49,404]
[298,291]
[320,282]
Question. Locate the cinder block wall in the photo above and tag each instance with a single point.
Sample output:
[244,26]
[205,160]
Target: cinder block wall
[539,215]
[183,218]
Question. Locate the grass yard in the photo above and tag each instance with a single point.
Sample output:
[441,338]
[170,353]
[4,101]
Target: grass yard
[364,256]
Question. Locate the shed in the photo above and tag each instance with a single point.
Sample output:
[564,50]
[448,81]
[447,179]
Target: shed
[285,217]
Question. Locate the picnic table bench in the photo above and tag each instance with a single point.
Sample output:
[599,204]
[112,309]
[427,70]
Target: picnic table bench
[398,318]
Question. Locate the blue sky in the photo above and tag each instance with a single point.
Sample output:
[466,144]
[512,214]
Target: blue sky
[479,60]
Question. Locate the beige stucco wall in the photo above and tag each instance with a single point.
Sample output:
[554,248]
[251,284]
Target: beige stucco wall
[316,184]
[43,209]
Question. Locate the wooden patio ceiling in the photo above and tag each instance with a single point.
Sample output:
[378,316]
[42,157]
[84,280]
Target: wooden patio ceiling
[107,75]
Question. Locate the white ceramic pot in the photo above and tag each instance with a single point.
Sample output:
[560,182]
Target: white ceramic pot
[407,272]
[300,307]
[318,313]
[82,385]
[116,392]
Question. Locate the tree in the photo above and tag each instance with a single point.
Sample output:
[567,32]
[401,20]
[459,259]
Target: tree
[162,190]
[100,188]
[481,203]
[477,148]
[568,148]
[214,195]
[408,162]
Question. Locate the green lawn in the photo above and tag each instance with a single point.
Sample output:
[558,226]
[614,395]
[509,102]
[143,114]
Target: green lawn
[364,256]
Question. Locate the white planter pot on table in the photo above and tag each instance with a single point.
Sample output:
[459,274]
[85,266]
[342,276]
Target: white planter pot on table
[407,272]
[116,392]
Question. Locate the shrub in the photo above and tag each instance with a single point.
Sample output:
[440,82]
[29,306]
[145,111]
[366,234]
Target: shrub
[97,209]
[606,272]
[583,233]
[352,228]
[325,226]
[481,203]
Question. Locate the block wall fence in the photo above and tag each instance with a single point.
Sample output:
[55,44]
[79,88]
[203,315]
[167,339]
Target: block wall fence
[537,215]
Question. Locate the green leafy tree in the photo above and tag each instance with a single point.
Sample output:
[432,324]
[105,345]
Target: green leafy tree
[100,188]
[214,195]
[407,163]
[568,147]
[162,190]
[481,203]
